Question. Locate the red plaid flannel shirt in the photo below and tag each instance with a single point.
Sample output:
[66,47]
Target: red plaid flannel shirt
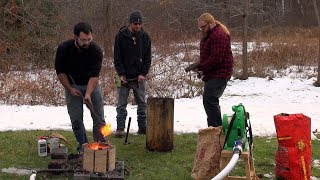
[216,60]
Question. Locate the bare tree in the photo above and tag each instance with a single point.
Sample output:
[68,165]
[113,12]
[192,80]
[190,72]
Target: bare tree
[225,12]
[317,83]
[316,12]
[108,29]
[3,4]
[245,41]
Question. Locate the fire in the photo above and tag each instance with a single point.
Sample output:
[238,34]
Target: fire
[106,130]
[97,146]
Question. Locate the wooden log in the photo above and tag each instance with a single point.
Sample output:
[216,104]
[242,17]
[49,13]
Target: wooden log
[160,114]
[111,158]
[100,161]
[88,159]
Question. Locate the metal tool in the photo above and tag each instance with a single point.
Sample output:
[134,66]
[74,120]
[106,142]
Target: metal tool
[126,140]
[192,66]
[88,104]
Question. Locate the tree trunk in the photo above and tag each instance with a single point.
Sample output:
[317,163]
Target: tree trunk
[2,24]
[317,83]
[108,29]
[3,4]
[225,12]
[316,12]
[244,43]
[258,17]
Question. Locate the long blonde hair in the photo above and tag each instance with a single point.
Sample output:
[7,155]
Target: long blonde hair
[208,18]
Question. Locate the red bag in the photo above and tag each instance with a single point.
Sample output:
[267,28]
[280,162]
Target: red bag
[293,156]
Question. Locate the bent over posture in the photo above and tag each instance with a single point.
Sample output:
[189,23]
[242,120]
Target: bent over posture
[78,64]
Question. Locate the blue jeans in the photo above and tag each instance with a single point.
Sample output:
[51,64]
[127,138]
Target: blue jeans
[213,90]
[75,110]
[140,98]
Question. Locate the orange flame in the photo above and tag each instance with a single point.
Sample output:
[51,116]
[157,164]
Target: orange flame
[106,130]
[93,146]
[97,146]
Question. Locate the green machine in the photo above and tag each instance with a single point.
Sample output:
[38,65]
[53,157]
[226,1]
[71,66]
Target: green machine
[237,127]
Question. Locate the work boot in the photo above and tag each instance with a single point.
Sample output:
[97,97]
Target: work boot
[119,133]
[142,131]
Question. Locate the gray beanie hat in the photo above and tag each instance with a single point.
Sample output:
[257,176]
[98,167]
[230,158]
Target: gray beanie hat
[135,16]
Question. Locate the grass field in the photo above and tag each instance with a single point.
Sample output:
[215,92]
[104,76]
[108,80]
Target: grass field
[19,149]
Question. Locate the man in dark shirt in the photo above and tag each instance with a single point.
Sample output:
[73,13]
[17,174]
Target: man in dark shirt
[132,59]
[78,64]
[216,65]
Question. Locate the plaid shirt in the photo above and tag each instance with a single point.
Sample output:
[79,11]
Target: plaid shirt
[216,60]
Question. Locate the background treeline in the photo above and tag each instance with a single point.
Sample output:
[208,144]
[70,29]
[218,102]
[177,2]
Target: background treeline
[285,33]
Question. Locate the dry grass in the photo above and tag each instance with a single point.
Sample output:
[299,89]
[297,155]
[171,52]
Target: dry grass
[38,88]
[274,53]
[280,50]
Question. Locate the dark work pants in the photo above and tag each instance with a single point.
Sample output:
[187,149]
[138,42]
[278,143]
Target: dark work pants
[75,110]
[213,90]
[140,98]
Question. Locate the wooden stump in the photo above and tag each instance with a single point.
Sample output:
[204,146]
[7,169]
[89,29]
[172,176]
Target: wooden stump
[160,124]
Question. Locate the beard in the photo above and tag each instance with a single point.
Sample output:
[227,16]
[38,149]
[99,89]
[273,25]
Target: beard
[83,46]
[136,29]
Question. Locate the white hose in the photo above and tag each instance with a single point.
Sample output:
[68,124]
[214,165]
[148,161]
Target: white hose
[228,168]
[33,177]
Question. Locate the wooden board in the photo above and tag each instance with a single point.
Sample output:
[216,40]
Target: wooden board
[248,164]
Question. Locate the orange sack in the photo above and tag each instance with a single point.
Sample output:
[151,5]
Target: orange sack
[293,156]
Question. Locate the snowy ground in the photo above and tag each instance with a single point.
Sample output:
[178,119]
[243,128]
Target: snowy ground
[262,98]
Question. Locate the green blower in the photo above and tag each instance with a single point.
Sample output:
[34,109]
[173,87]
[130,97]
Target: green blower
[237,127]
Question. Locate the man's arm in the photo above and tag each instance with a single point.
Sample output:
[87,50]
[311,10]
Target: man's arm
[94,75]
[92,84]
[147,58]
[117,57]
[65,82]
[61,69]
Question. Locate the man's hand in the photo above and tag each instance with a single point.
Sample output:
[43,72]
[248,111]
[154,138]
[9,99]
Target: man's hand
[192,67]
[87,99]
[123,79]
[141,78]
[74,91]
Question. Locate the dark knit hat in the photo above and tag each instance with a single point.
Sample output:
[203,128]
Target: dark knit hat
[135,16]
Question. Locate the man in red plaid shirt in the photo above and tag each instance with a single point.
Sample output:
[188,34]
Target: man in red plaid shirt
[216,65]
